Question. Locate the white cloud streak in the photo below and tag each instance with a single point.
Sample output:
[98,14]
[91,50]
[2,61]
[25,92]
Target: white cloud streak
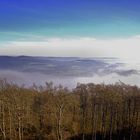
[80,47]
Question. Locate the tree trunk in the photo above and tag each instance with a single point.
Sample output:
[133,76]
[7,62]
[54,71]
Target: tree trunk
[10,125]
[60,123]
[94,111]
[19,129]
[3,122]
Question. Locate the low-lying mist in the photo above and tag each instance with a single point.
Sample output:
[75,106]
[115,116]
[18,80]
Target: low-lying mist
[68,71]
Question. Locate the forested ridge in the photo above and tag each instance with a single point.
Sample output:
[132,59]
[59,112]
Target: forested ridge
[88,112]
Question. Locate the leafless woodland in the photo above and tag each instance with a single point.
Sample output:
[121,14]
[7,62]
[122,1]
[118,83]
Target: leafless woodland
[88,112]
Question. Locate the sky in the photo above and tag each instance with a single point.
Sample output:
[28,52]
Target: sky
[83,28]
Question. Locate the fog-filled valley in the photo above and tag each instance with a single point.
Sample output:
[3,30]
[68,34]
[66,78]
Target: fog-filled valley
[68,71]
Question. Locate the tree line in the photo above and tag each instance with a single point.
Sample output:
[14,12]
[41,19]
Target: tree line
[88,112]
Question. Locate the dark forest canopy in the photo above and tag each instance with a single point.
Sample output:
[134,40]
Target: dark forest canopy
[88,112]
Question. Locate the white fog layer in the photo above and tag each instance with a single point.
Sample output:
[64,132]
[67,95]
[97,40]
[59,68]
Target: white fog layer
[68,71]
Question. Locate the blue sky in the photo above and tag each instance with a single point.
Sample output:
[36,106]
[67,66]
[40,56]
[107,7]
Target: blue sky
[97,18]
[34,20]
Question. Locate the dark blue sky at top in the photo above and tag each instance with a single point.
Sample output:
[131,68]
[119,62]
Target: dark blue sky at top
[69,18]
